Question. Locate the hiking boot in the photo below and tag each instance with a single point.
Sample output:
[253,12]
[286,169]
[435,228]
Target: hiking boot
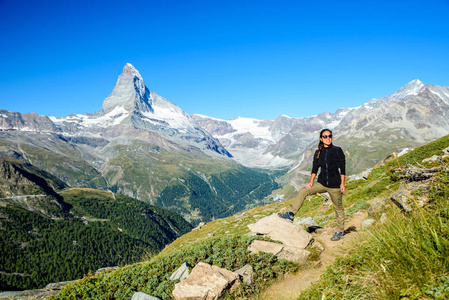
[287,215]
[337,236]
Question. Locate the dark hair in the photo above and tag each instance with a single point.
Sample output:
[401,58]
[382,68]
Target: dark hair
[321,144]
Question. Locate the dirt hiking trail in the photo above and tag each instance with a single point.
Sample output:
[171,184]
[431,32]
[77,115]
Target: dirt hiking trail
[291,285]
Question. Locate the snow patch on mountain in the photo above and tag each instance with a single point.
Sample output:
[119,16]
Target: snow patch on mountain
[169,113]
[112,118]
[253,126]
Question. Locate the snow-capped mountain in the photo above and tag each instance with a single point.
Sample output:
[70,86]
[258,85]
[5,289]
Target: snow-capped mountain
[268,143]
[132,105]
[141,145]
[145,146]
[247,139]
[419,111]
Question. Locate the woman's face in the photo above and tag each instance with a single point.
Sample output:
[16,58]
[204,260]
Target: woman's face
[326,138]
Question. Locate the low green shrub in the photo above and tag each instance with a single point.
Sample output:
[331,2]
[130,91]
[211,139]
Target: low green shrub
[152,277]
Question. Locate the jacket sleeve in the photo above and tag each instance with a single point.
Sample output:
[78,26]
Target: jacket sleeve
[315,163]
[342,162]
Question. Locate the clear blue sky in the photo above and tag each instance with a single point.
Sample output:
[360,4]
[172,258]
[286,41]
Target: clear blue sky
[223,59]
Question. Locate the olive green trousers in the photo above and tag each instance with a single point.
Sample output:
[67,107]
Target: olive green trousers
[336,198]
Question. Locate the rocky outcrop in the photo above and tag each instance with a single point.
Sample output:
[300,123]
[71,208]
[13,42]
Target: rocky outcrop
[293,238]
[246,274]
[205,282]
[51,289]
[299,256]
[282,230]
[181,273]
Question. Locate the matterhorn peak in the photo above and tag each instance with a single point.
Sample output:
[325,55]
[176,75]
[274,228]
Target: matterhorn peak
[129,93]
[129,70]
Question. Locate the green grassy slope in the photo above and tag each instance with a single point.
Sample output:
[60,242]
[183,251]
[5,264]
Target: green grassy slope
[406,257]
[403,257]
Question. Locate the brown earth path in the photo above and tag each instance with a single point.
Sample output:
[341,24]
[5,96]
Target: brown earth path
[291,285]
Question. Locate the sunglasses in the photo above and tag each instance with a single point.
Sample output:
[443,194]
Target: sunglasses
[326,136]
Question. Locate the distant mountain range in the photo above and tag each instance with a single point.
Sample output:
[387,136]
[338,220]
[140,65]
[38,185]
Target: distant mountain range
[139,145]
[144,146]
[418,111]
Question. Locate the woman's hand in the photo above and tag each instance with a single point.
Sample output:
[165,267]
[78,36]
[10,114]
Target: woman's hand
[309,185]
[342,188]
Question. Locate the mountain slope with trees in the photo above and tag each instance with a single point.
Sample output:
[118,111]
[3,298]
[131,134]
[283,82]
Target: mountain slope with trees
[50,234]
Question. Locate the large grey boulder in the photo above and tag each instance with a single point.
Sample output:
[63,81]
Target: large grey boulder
[297,255]
[143,296]
[282,230]
[205,282]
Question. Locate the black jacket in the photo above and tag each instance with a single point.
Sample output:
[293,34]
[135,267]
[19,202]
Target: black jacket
[331,160]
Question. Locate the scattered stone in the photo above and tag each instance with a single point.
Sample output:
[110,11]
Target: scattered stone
[205,282]
[264,246]
[294,254]
[383,218]
[29,294]
[430,159]
[299,256]
[377,207]
[106,269]
[282,230]
[446,151]
[52,289]
[181,273]
[366,223]
[364,175]
[210,234]
[143,296]
[422,200]
[58,285]
[401,199]
[201,224]
[246,272]
[306,221]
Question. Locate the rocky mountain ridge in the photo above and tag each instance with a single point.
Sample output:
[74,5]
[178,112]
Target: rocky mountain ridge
[145,146]
[282,142]
[140,145]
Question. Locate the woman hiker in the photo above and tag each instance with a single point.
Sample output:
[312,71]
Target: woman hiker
[331,160]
